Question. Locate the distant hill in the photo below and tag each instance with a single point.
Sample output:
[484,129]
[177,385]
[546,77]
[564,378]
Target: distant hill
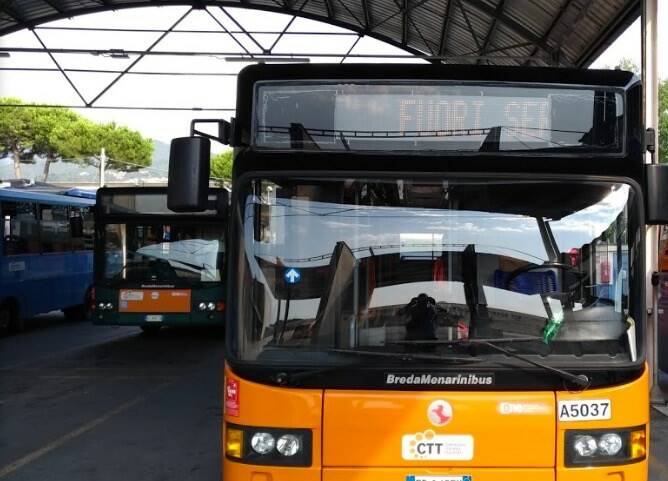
[79,172]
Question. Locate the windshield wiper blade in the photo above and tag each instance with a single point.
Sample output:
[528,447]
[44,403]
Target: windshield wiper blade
[441,342]
[408,356]
[284,378]
[580,380]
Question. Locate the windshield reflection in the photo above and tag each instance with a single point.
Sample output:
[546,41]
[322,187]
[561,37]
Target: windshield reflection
[166,253]
[383,262]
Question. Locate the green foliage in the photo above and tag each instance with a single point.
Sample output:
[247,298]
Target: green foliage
[628,65]
[663,121]
[221,165]
[61,134]
[126,149]
[16,130]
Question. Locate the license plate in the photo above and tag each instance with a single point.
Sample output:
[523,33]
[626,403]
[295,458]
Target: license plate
[589,410]
[154,318]
[412,477]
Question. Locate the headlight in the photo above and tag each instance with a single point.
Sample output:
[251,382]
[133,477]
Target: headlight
[211,306]
[288,445]
[263,443]
[100,306]
[605,447]
[109,306]
[585,446]
[268,446]
[610,444]
[202,306]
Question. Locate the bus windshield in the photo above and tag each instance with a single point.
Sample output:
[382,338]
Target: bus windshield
[170,252]
[396,265]
[436,116]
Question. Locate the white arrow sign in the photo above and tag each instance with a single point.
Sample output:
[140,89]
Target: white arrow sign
[292,276]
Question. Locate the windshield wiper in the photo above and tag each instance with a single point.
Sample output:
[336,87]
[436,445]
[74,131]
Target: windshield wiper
[407,356]
[284,378]
[579,380]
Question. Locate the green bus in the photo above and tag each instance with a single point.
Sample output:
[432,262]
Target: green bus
[155,267]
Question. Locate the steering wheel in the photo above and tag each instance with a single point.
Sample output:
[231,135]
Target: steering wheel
[546,265]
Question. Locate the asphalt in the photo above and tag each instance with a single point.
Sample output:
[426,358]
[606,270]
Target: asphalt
[81,402]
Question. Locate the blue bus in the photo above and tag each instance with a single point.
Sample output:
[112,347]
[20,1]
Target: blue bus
[46,253]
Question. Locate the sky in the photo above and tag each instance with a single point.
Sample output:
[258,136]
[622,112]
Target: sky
[190,91]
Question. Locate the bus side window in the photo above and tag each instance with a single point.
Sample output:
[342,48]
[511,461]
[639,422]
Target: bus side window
[84,243]
[55,228]
[20,228]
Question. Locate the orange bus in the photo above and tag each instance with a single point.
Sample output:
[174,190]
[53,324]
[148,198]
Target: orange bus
[437,273]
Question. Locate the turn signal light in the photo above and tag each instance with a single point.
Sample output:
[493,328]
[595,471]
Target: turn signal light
[638,444]
[234,443]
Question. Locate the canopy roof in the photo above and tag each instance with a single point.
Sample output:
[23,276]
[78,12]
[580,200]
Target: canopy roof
[502,32]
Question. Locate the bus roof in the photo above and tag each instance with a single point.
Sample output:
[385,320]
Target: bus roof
[52,197]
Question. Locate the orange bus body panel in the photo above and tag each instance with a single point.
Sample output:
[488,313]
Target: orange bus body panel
[361,434]
[154,300]
[365,428]
[399,474]
[630,407]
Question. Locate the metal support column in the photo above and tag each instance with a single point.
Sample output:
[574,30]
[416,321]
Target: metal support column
[650,79]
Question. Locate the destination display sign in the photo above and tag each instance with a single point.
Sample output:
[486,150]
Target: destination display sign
[435,116]
[405,116]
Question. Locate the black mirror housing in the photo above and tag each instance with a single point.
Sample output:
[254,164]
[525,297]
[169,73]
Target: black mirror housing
[656,178]
[189,168]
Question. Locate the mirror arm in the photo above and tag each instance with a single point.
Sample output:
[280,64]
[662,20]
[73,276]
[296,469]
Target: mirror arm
[224,130]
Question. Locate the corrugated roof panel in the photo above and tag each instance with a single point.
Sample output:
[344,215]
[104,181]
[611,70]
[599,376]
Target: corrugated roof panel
[573,31]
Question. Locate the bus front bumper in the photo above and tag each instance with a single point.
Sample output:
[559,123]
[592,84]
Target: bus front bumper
[243,472]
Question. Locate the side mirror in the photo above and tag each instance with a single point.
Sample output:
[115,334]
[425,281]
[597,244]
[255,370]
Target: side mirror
[76,227]
[656,179]
[223,204]
[189,167]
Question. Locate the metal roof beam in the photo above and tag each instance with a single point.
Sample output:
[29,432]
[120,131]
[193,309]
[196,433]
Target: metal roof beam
[9,10]
[330,8]
[564,8]
[468,23]
[53,4]
[404,23]
[123,107]
[177,53]
[132,72]
[490,32]
[367,14]
[511,24]
[398,12]
[351,13]
[351,49]
[220,24]
[141,56]
[60,69]
[280,35]
[446,27]
[625,18]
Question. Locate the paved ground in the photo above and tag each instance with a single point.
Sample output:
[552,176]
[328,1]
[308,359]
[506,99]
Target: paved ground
[81,402]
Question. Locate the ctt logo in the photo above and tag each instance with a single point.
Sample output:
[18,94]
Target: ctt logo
[429,446]
[439,412]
